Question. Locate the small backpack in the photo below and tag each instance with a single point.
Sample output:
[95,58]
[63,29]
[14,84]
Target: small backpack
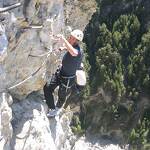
[81,76]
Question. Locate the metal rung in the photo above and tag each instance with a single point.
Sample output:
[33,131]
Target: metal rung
[10,7]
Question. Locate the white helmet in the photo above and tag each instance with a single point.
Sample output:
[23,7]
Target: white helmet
[78,34]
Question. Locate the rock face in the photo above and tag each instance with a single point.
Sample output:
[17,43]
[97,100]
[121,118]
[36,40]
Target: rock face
[94,144]
[103,118]
[33,130]
[27,46]
[29,128]
[82,8]
[6,130]
[102,111]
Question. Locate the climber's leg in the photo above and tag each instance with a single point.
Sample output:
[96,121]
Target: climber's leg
[64,91]
[49,89]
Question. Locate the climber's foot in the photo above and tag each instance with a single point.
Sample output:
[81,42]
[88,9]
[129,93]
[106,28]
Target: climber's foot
[54,112]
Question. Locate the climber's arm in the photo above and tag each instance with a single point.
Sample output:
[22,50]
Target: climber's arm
[69,47]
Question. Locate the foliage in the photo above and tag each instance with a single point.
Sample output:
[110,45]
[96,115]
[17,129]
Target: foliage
[140,134]
[76,126]
[118,49]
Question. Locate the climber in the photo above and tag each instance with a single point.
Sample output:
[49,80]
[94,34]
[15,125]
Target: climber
[65,75]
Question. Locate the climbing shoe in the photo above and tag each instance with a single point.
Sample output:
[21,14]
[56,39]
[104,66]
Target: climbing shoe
[54,112]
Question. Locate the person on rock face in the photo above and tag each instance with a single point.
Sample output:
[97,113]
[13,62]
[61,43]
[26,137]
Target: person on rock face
[64,76]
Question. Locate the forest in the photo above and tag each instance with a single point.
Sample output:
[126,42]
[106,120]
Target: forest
[118,55]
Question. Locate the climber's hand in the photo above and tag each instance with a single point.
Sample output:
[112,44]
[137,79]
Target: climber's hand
[60,37]
[54,37]
[62,48]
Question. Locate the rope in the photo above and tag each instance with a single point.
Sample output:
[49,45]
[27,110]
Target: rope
[28,132]
[34,73]
[68,77]
[29,77]
[46,54]
[42,55]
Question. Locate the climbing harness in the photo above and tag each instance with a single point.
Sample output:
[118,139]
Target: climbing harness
[67,86]
[65,81]
[69,78]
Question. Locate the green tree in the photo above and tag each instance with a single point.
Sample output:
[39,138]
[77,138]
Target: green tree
[104,37]
[124,32]
[140,63]
[109,67]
